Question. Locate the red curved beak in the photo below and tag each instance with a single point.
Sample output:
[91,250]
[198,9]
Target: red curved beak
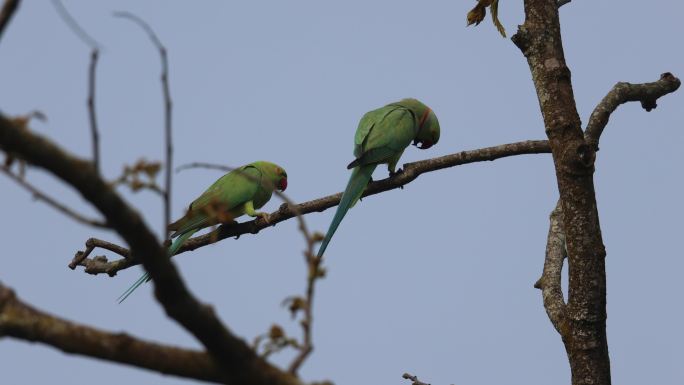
[283,184]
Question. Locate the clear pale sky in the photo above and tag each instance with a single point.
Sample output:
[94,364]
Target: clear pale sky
[435,279]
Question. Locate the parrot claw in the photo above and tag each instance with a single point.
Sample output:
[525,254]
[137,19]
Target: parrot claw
[266,218]
[392,174]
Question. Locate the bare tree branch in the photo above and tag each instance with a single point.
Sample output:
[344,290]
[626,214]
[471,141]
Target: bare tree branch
[646,93]
[210,166]
[6,13]
[410,172]
[94,133]
[314,273]
[76,28]
[414,379]
[71,22]
[21,321]
[91,244]
[550,282]
[39,195]
[239,363]
[584,332]
[563,2]
[167,112]
[540,41]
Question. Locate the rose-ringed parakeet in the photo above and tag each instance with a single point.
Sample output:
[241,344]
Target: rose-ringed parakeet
[381,137]
[241,191]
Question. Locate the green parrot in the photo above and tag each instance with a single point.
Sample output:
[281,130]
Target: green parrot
[241,191]
[382,136]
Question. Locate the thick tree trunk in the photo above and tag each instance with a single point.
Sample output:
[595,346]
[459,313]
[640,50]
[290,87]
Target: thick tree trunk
[583,325]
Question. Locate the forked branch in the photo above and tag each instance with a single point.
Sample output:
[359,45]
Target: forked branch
[550,282]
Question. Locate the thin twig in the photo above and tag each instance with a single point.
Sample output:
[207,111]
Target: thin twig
[414,379]
[94,55]
[210,166]
[410,173]
[71,22]
[6,13]
[39,195]
[74,26]
[167,111]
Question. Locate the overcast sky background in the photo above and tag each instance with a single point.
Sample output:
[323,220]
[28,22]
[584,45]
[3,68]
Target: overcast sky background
[435,279]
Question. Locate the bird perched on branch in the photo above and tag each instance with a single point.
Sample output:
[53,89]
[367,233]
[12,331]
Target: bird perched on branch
[241,191]
[381,137]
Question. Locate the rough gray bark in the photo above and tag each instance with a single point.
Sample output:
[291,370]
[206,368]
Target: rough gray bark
[582,321]
[584,330]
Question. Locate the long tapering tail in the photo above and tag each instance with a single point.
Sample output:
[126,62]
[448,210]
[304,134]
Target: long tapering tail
[357,183]
[177,243]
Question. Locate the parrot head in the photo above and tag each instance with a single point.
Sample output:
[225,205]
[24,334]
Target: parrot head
[428,125]
[274,173]
[428,131]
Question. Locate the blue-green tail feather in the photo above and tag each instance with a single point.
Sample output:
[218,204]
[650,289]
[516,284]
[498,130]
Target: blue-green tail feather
[357,183]
[177,243]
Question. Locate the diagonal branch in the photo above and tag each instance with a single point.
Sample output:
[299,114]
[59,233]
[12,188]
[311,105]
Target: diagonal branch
[6,13]
[410,173]
[238,361]
[646,93]
[39,195]
[21,321]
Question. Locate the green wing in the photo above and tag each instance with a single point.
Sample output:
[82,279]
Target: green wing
[366,124]
[389,134]
[227,194]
